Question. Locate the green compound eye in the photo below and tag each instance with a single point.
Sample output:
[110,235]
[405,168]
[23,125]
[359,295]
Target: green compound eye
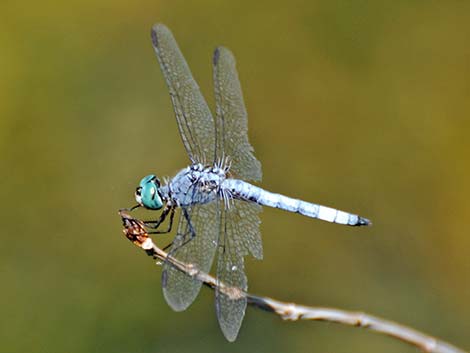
[147,194]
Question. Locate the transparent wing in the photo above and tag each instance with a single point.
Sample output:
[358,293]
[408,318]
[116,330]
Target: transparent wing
[194,118]
[239,236]
[232,118]
[179,289]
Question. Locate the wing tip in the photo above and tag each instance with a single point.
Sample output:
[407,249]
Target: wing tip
[231,327]
[222,51]
[156,29]
[179,301]
[229,336]
[216,56]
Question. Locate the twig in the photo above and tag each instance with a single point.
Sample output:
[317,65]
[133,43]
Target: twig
[135,231]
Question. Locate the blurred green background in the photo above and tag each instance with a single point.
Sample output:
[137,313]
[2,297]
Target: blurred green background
[361,105]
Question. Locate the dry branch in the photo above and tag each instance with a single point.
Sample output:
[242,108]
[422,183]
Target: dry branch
[135,231]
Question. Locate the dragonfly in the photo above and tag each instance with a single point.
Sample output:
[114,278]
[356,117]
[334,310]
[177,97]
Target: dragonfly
[218,201]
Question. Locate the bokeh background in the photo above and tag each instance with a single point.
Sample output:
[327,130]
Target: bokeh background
[362,105]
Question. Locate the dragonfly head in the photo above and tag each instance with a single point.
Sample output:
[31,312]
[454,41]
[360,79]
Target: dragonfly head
[147,193]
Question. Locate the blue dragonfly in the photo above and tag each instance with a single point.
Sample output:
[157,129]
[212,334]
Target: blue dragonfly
[219,206]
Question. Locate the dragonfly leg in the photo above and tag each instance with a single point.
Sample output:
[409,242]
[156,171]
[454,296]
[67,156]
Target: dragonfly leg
[129,209]
[167,246]
[192,233]
[169,209]
[170,225]
[183,239]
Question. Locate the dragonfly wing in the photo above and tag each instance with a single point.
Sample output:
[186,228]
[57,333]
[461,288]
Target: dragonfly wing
[179,289]
[195,122]
[232,118]
[239,235]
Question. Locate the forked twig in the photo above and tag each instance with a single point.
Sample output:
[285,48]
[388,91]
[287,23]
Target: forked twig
[135,231]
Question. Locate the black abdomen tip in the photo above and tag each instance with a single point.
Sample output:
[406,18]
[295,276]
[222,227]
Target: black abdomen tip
[363,222]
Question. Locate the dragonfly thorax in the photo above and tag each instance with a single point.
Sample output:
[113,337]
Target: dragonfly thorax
[147,194]
[196,184]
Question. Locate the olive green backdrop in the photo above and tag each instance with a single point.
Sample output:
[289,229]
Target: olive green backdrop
[361,105]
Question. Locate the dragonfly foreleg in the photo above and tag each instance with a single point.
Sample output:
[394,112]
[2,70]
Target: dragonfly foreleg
[169,209]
